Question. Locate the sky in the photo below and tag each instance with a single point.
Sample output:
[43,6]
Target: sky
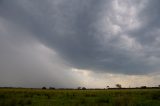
[71,43]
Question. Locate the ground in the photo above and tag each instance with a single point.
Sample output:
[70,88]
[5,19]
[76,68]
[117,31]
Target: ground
[38,97]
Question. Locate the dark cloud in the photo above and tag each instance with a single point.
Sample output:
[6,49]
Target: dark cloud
[119,36]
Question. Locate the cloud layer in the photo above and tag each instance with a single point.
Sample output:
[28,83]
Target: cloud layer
[115,36]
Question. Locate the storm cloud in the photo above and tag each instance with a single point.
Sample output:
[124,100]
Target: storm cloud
[103,36]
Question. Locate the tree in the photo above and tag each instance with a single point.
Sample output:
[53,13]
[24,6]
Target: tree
[107,87]
[143,87]
[83,88]
[118,85]
[52,88]
[44,87]
[79,88]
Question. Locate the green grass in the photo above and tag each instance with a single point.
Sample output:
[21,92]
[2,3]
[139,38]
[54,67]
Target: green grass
[35,97]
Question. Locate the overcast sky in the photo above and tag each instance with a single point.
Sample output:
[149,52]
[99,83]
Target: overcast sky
[71,43]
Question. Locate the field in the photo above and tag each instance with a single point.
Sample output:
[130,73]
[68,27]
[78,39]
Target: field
[38,97]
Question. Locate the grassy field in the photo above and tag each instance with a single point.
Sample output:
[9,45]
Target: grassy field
[35,97]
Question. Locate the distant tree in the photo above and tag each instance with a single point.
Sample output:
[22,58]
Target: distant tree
[79,88]
[143,87]
[118,85]
[83,88]
[159,86]
[107,87]
[44,87]
[52,88]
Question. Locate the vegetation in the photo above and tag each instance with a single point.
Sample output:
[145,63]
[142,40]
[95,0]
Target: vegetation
[118,85]
[116,97]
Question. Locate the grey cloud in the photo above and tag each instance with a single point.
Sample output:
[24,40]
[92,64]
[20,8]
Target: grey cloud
[24,62]
[76,31]
[30,67]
